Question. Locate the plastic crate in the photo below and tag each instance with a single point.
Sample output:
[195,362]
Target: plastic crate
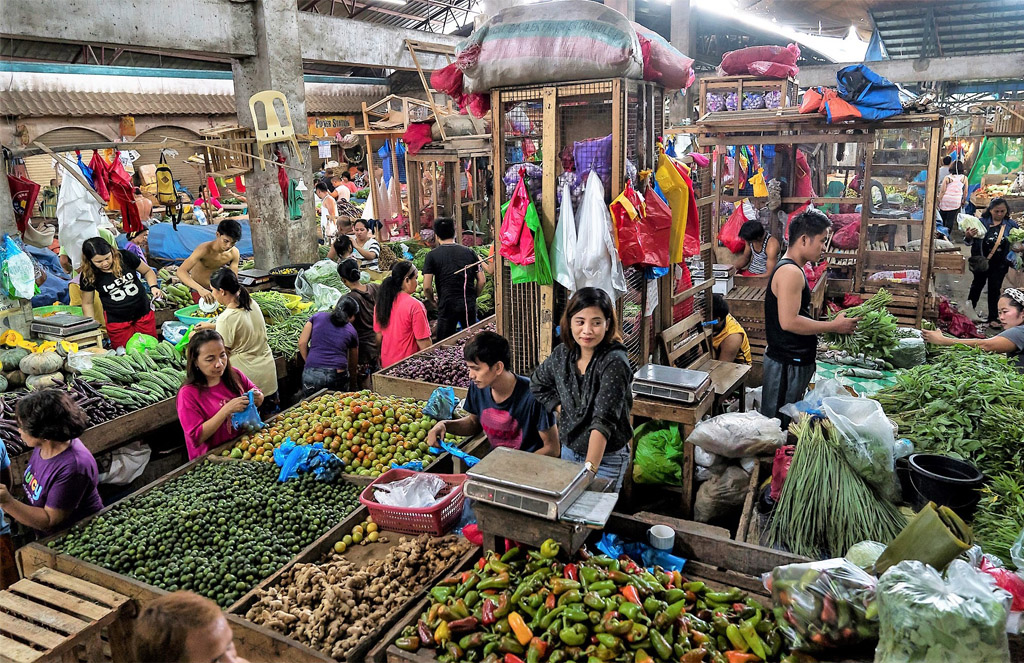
[436,519]
[43,311]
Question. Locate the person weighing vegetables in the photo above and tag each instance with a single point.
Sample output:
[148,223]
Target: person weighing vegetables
[115,275]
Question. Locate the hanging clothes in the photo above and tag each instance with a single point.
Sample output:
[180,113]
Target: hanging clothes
[86,170]
[295,200]
[120,189]
[99,168]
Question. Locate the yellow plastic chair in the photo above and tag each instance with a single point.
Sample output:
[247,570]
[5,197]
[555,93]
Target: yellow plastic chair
[275,131]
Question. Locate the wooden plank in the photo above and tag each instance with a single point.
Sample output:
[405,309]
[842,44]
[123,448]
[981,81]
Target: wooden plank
[62,600]
[865,214]
[706,284]
[12,650]
[41,614]
[13,625]
[257,643]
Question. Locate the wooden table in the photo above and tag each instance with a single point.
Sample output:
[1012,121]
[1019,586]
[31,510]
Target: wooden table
[689,417]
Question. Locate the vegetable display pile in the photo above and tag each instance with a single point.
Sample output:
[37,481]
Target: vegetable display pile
[336,605]
[274,306]
[443,364]
[366,430]
[826,506]
[138,379]
[876,334]
[531,607]
[283,337]
[216,530]
[969,403]
[176,295]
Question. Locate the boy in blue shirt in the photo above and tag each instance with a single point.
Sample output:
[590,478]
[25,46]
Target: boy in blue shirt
[500,403]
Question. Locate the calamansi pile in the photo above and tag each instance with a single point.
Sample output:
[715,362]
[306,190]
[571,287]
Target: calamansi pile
[366,430]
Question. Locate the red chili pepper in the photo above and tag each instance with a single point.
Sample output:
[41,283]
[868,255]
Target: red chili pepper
[550,601]
[631,595]
[739,607]
[487,612]
[631,567]
[481,563]
[466,575]
[512,658]
[571,572]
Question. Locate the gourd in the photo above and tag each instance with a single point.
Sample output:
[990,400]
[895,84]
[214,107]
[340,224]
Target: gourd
[11,358]
[14,379]
[46,380]
[3,384]
[41,363]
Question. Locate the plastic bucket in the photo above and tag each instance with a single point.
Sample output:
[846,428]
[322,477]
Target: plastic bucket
[947,482]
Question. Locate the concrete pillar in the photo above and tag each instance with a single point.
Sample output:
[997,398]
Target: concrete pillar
[625,7]
[15,314]
[276,239]
[684,37]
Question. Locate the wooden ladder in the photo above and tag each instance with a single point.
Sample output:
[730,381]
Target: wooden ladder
[416,48]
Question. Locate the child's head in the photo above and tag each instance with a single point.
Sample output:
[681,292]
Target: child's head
[229,233]
[183,626]
[487,356]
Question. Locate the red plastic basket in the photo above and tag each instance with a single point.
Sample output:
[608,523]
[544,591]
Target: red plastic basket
[436,519]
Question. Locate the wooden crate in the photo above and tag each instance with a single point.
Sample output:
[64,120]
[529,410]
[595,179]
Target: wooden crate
[393,385]
[231,150]
[51,616]
[949,262]
[788,88]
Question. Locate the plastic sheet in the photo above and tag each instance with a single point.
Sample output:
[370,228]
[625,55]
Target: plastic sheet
[615,546]
[415,492]
[927,618]
[294,459]
[441,404]
[17,275]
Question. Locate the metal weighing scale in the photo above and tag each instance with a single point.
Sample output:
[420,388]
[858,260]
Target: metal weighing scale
[252,278]
[669,383]
[537,485]
[63,325]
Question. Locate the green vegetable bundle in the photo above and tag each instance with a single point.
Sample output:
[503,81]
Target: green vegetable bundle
[283,338]
[877,332]
[826,506]
[274,306]
[534,607]
[1000,515]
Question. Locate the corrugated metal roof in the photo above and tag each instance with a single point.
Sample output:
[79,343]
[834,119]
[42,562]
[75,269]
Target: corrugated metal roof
[954,27]
[31,94]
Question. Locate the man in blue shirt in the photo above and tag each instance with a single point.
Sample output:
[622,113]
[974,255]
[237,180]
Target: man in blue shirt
[500,403]
[8,568]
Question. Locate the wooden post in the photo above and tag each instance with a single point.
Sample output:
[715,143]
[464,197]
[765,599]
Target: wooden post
[928,225]
[498,149]
[865,217]
[547,217]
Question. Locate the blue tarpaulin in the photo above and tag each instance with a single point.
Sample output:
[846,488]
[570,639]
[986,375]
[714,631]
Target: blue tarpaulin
[55,288]
[166,243]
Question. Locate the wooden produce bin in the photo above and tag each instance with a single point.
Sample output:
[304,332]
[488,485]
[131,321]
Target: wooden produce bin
[788,89]
[393,385]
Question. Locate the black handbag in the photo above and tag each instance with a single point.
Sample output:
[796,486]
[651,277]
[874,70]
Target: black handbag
[980,264]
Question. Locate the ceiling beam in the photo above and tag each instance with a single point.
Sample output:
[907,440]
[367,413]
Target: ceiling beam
[960,68]
[366,44]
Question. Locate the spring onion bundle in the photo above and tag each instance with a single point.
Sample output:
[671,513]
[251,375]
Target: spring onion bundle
[825,506]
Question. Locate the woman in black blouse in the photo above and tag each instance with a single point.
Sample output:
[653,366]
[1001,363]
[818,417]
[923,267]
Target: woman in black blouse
[590,377]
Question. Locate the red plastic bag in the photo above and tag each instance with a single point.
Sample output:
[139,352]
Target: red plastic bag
[792,215]
[959,324]
[23,194]
[773,69]
[448,80]
[656,230]
[627,211]
[729,235]
[515,237]
[850,300]
[813,274]
[683,283]
[847,237]
[1008,580]
[737,63]
[812,100]
[780,468]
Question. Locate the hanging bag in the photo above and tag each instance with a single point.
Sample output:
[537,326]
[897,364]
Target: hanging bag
[165,192]
[627,210]
[980,264]
[515,238]
[656,230]
[563,251]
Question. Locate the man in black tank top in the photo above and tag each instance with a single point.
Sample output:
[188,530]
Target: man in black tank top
[792,333]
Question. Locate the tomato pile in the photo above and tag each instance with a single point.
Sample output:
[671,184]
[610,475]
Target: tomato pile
[366,430]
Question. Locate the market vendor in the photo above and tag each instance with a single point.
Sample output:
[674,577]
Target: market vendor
[730,341]
[115,275]
[500,403]
[329,345]
[244,330]
[365,295]
[366,245]
[210,256]
[61,477]
[760,250]
[138,243]
[400,319]
[341,249]
[1010,341]
[791,331]
[213,391]
[459,279]
[183,626]
[993,252]
[328,212]
[74,289]
[589,378]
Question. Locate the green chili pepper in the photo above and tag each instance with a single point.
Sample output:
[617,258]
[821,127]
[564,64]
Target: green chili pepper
[629,610]
[608,640]
[589,574]
[500,581]
[510,555]
[534,600]
[472,598]
[502,627]
[661,646]
[472,641]
[410,643]
[524,588]
[538,619]
[593,601]
[605,561]
[441,594]
[570,597]
[574,635]
[575,613]
[563,585]
[603,585]
[551,616]
[637,633]
[731,596]
[464,587]
[753,640]
[618,577]
[736,638]
[720,623]
[673,595]
[652,605]
[510,645]
[695,587]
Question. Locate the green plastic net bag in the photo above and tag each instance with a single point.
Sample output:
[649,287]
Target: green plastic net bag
[140,342]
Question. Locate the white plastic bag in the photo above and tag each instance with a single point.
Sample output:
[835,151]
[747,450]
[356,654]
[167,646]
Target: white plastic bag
[813,398]
[78,216]
[325,298]
[597,259]
[417,491]
[563,249]
[17,274]
[126,464]
[739,434]
[869,444]
[966,221]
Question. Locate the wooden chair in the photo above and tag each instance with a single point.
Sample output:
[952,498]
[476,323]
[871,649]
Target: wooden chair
[275,131]
[50,616]
[690,341]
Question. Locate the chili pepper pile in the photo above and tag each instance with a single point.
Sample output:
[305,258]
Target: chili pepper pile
[529,607]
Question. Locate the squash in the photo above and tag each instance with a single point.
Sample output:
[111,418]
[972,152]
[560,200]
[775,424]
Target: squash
[3,384]
[41,363]
[15,379]
[46,380]
[11,358]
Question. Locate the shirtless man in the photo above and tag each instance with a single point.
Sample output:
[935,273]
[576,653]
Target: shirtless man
[208,257]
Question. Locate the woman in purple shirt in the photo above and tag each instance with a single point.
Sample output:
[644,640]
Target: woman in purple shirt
[61,476]
[138,243]
[329,344]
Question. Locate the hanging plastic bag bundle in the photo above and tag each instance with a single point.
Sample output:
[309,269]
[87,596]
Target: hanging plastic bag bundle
[627,211]
[514,236]
[598,263]
[563,251]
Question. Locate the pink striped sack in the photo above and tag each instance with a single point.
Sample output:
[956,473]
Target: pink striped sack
[567,40]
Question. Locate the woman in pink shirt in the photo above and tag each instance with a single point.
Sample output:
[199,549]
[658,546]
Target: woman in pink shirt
[400,320]
[212,392]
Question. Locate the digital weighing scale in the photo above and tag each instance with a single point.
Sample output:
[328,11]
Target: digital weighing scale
[63,325]
[669,383]
[252,278]
[537,485]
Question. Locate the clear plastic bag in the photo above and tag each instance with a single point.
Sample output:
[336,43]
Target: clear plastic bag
[909,352]
[739,434]
[824,605]
[140,342]
[865,554]
[17,276]
[248,420]
[79,362]
[868,441]
[415,492]
[925,618]
[441,404]
[811,403]
[598,263]
[563,249]
[325,298]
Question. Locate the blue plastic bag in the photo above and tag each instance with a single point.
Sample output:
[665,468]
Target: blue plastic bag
[441,404]
[614,546]
[459,453]
[248,420]
[295,459]
[17,275]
